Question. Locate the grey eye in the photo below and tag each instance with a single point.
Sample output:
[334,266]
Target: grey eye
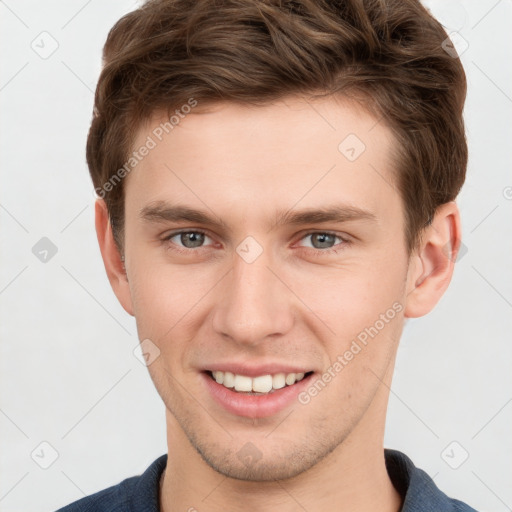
[322,240]
[190,239]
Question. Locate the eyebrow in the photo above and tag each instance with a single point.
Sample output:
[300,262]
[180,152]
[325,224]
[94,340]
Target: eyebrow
[161,211]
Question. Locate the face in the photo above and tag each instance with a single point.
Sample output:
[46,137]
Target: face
[277,309]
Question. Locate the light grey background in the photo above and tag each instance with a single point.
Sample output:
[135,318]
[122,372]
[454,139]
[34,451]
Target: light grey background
[69,376]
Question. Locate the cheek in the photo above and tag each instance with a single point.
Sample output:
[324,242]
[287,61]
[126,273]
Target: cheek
[166,297]
[362,307]
[348,299]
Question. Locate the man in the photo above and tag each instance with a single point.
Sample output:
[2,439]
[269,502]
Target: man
[276,186]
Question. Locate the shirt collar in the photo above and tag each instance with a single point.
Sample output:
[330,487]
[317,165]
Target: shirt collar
[417,489]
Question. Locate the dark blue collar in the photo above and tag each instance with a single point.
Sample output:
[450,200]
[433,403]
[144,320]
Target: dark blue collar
[418,490]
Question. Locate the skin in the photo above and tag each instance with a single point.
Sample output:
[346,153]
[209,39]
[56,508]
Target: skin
[295,302]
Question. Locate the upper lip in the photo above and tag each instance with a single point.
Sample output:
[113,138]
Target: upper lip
[255,370]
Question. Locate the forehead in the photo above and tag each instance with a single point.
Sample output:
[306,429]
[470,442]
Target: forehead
[252,157]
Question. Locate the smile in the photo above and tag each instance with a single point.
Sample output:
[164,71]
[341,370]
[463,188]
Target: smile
[255,391]
[262,384]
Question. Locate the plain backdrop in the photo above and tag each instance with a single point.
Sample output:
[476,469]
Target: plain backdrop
[74,396]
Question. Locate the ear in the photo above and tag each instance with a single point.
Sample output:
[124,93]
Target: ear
[112,260]
[431,265]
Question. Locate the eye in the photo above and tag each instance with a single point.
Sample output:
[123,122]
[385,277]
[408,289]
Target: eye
[325,241]
[189,240]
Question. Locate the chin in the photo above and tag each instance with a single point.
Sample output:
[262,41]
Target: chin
[272,462]
[255,471]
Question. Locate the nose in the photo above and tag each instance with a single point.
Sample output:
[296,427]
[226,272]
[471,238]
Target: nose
[254,303]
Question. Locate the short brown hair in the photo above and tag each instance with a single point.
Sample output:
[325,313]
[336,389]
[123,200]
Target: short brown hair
[390,53]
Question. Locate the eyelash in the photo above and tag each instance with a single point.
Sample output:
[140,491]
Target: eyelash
[315,252]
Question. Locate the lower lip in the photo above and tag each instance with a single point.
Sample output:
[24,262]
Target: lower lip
[254,406]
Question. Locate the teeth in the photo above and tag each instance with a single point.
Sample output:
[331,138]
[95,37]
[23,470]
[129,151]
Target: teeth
[290,379]
[279,381]
[260,384]
[229,379]
[243,383]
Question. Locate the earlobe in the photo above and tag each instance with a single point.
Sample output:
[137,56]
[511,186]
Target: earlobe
[431,267]
[112,259]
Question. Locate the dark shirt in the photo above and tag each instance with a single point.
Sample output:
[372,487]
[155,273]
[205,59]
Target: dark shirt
[140,493]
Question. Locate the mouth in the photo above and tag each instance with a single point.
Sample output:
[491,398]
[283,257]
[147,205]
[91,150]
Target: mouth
[258,395]
[258,385]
